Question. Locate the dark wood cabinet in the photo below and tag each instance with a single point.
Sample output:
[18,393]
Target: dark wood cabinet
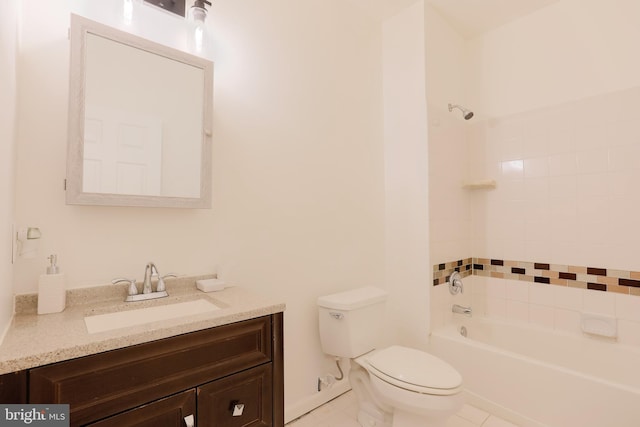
[159,383]
[13,387]
[241,400]
[168,412]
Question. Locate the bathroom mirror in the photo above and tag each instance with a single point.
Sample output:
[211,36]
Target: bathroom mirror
[140,118]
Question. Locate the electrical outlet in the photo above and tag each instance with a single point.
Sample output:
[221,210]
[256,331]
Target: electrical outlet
[326,381]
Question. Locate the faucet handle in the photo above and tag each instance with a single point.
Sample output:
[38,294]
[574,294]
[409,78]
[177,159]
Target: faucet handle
[133,289]
[455,283]
[160,287]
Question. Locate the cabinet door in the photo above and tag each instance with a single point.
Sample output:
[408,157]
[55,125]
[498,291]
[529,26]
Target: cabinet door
[240,400]
[167,412]
[13,387]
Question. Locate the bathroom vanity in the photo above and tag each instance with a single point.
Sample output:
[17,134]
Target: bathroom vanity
[226,375]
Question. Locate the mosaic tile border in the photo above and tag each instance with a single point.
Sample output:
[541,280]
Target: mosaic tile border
[441,272]
[594,278]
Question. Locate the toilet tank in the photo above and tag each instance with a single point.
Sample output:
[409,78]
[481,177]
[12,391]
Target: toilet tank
[350,322]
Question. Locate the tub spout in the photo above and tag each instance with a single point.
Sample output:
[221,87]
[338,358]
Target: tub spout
[461,310]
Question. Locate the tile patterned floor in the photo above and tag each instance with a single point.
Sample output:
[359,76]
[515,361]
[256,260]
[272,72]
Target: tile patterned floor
[342,412]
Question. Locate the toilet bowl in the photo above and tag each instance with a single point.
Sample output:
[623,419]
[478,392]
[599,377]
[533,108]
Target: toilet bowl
[396,386]
[418,388]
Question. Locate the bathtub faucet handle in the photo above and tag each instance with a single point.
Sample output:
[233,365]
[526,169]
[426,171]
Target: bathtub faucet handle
[455,283]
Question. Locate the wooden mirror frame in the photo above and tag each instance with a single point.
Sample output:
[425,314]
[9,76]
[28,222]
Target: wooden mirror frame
[75,195]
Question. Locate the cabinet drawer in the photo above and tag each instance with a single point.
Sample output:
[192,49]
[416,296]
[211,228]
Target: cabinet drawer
[168,412]
[108,383]
[252,389]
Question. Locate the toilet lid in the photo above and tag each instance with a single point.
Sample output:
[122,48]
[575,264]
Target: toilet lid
[410,367]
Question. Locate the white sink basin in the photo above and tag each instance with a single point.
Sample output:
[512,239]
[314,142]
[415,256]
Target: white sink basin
[125,319]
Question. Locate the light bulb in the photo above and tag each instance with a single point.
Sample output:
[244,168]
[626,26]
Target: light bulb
[127,11]
[198,35]
[198,15]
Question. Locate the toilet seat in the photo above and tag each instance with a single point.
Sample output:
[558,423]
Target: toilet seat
[413,370]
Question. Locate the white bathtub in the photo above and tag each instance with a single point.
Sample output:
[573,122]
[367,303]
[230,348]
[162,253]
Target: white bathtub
[538,377]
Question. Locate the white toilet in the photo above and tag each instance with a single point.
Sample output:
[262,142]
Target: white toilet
[396,386]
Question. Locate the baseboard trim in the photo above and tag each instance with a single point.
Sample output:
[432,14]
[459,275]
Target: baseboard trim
[308,404]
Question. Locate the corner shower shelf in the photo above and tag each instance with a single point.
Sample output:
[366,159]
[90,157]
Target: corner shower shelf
[486,184]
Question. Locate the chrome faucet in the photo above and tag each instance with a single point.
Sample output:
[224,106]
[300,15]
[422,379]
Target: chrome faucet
[149,271]
[147,292]
[461,310]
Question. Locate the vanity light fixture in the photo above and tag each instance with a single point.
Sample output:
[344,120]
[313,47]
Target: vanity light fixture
[199,15]
[174,6]
[199,11]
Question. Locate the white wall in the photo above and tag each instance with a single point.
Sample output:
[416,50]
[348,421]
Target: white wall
[449,207]
[446,63]
[406,175]
[298,167]
[570,50]
[450,217]
[9,13]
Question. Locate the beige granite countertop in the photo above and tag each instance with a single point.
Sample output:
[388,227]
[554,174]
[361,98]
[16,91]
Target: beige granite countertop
[35,340]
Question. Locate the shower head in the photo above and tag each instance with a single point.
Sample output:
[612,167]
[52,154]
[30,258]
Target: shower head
[467,114]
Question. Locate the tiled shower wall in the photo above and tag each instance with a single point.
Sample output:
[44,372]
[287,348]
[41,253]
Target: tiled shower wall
[567,184]
[566,195]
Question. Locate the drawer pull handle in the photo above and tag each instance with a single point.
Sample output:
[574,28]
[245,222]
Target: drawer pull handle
[236,408]
[189,421]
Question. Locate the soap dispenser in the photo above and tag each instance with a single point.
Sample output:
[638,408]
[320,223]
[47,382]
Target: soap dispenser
[51,289]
